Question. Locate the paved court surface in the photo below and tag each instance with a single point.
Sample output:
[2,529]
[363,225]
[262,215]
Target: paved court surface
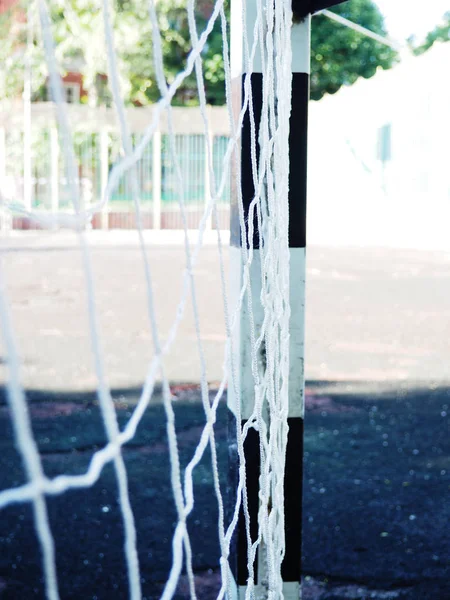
[376,510]
[372,315]
[377,466]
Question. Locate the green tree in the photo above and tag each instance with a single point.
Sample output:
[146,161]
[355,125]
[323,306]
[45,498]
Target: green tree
[77,28]
[13,37]
[176,46]
[340,55]
[441,33]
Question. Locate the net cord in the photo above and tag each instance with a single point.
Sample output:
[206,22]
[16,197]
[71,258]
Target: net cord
[265,390]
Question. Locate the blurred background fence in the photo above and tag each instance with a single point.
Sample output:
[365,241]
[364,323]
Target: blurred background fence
[97,147]
[378,169]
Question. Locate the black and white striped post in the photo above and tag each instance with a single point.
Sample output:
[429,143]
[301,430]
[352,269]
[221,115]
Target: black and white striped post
[300,36]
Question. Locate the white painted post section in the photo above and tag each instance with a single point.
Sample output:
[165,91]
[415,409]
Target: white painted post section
[104,172]
[54,162]
[156,179]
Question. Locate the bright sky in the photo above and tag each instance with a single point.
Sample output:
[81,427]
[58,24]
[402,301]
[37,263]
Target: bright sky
[407,17]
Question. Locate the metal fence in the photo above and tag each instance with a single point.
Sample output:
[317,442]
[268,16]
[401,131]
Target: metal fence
[160,182]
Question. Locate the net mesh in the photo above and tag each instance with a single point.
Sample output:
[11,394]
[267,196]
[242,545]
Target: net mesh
[269,208]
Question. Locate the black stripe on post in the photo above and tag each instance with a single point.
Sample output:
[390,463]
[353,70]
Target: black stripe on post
[297,157]
[232,486]
[298,139]
[247,182]
[291,567]
[253,464]
[293,490]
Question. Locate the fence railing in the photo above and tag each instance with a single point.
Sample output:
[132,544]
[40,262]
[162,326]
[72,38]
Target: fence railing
[97,148]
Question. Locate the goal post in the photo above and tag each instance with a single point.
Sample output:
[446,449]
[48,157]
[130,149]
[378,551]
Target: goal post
[248,231]
[300,40]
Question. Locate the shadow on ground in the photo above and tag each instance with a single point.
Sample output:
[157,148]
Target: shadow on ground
[376,510]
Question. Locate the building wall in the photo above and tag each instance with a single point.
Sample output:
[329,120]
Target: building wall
[354,195]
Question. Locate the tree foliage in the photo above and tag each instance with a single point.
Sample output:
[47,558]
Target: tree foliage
[177,45]
[78,32]
[13,39]
[441,33]
[339,55]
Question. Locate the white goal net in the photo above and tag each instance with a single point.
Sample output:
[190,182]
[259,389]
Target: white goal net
[262,311]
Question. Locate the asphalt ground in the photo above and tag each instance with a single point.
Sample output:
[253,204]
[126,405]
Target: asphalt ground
[371,314]
[377,472]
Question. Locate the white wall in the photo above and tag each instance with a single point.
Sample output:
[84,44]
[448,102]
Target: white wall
[351,199]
